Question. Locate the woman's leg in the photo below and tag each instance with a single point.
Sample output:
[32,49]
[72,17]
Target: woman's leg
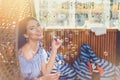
[87,55]
[81,64]
[67,72]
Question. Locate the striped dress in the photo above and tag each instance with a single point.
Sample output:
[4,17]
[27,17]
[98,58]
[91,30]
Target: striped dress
[80,66]
[87,55]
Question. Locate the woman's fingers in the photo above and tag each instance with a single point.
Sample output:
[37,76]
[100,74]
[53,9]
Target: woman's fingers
[56,43]
[54,76]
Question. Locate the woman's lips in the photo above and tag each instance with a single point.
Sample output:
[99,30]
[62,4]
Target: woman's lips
[39,34]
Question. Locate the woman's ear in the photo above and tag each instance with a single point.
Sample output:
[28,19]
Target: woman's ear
[25,35]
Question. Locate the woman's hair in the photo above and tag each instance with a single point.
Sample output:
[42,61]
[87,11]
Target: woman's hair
[22,30]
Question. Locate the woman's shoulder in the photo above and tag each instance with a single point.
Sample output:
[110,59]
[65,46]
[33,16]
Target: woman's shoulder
[19,52]
[20,55]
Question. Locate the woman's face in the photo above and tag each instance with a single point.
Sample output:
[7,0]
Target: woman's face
[33,30]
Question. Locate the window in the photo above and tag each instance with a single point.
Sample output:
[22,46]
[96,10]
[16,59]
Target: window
[77,13]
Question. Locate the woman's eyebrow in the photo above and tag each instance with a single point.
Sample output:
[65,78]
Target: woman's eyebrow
[32,26]
[38,24]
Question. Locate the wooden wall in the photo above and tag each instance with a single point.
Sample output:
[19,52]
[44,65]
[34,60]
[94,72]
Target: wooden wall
[104,46]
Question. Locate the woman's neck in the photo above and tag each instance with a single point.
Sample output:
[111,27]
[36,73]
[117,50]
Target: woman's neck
[33,44]
[30,49]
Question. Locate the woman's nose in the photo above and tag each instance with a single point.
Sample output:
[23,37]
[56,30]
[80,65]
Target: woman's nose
[39,29]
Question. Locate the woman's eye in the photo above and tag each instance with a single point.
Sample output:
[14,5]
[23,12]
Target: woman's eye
[32,28]
[38,25]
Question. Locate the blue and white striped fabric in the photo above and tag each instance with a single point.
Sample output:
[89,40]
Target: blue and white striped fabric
[80,64]
[80,69]
[87,55]
[117,72]
[108,67]
[66,70]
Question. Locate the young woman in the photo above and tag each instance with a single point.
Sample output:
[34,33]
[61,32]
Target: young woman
[32,57]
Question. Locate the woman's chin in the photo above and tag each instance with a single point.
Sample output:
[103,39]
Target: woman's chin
[40,38]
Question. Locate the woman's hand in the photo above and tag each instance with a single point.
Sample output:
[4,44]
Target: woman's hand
[54,76]
[56,43]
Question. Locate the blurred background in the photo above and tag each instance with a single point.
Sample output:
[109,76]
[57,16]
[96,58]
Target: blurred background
[69,19]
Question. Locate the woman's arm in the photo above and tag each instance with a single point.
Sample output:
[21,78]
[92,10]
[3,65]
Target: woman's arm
[49,77]
[47,68]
